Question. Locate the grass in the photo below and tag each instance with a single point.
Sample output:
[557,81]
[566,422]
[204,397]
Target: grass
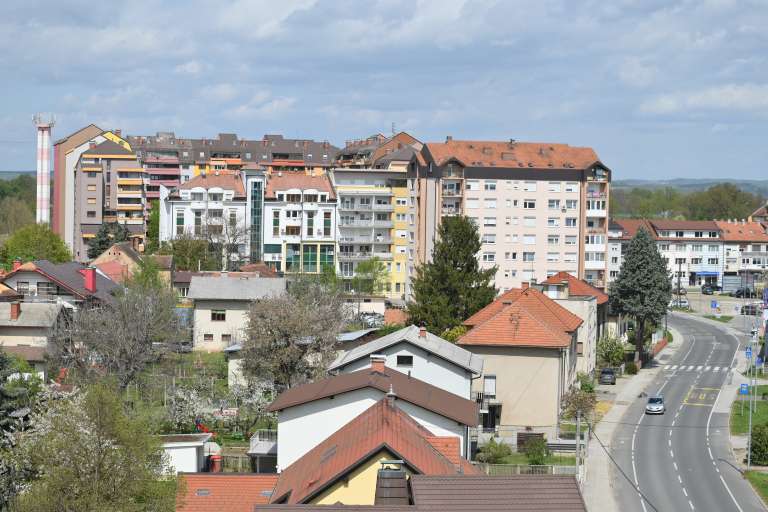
[555,460]
[759,481]
[722,318]
[740,422]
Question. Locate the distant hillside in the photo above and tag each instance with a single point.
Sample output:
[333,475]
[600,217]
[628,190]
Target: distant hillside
[9,175]
[759,187]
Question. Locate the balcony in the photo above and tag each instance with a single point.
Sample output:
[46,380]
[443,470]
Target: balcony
[597,283]
[130,181]
[365,239]
[263,442]
[383,207]
[365,223]
[355,207]
[597,213]
[362,256]
[447,192]
[594,265]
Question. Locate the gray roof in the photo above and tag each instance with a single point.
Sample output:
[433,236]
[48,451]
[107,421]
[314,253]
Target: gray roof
[108,147]
[352,336]
[226,287]
[431,343]
[68,275]
[33,314]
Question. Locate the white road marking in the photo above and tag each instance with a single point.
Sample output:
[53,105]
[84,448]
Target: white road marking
[707,368]
[698,368]
[685,492]
[716,369]
[680,479]
[690,503]
[690,368]
[674,367]
[666,367]
[675,464]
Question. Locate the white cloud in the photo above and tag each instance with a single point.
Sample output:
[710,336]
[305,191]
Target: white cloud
[221,93]
[635,73]
[730,97]
[259,19]
[191,67]
[260,106]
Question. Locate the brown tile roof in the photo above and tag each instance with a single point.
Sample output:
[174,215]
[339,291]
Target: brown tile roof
[742,232]
[577,287]
[522,318]
[539,155]
[531,493]
[228,492]
[671,225]
[337,508]
[382,426]
[226,180]
[395,316]
[406,388]
[630,227]
[116,271]
[286,180]
[7,293]
[260,268]
[761,212]
[26,352]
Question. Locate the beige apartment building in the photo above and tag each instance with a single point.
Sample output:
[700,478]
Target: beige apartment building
[541,208]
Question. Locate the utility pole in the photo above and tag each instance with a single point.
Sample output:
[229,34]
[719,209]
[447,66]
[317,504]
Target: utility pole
[679,272]
[578,442]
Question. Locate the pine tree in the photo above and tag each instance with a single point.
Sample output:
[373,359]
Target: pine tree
[452,287]
[109,233]
[643,287]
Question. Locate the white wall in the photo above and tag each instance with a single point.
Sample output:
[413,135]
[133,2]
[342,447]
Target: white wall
[236,321]
[587,333]
[426,367]
[187,459]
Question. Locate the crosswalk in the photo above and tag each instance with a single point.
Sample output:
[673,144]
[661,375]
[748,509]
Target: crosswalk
[695,368]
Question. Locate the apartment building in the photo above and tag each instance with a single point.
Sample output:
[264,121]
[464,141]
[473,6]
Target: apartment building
[299,222]
[746,253]
[541,208]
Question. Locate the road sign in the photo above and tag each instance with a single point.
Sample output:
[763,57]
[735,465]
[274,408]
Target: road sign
[748,352]
[713,304]
[744,389]
[758,361]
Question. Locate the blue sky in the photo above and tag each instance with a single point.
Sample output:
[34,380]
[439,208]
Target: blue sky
[659,89]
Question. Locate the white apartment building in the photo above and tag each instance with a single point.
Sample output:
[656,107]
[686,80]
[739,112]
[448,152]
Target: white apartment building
[540,208]
[746,253]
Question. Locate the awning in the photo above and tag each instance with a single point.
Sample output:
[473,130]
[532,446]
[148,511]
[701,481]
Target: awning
[707,274]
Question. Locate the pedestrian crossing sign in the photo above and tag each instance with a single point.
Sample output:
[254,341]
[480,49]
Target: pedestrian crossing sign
[744,389]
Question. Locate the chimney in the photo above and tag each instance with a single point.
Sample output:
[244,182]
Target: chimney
[392,484]
[422,332]
[15,310]
[89,276]
[92,145]
[391,396]
[377,362]
[16,264]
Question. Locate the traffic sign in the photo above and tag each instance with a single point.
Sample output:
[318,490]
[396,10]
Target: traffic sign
[758,361]
[748,352]
[713,304]
[744,389]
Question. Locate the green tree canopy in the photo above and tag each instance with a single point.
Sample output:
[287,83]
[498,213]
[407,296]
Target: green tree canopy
[452,287]
[191,253]
[15,213]
[109,233]
[643,288]
[153,229]
[34,242]
[370,277]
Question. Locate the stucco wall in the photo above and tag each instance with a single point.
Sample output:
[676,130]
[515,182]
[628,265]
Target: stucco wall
[187,459]
[586,309]
[236,321]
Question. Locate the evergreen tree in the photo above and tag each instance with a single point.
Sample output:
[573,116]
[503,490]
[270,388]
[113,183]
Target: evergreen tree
[643,287]
[153,229]
[109,233]
[452,287]
[34,242]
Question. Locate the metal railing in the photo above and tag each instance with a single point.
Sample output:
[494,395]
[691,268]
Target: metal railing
[524,469]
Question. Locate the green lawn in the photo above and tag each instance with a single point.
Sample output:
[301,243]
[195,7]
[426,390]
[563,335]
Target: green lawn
[740,422]
[723,318]
[759,481]
[557,460]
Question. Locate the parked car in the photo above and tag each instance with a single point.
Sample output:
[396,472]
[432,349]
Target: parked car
[682,302]
[707,290]
[679,291]
[754,309]
[607,376]
[744,293]
[655,405]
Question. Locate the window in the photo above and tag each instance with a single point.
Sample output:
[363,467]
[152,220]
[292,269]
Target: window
[44,288]
[489,238]
[226,338]
[509,256]
[664,247]
[216,214]
[679,234]
[698,234]
[404,360]
[529,222]
[490,185]
[712,248]
[472,185]
[529,204]
[207,337]
[473,203]
[490,203]
[91,174]
[529,239]
[91,214]
[489,221]
[570,240]
[179,222]
[529,256]
[530,186]
[712,261]
[553,239]
[571,186]
[553,204]
[553,257]
[293,230]
[198,222]
[570,222]
[218,315]
[310,224]
[507,220]
[695,261]
[183,291]
[275,222]
[489,256]
[91,188]
[508,203]
[489,386]
[697,247]
[326,224]
[570,257]
[554,186]
[679,261]
[22,287]
[553,222]
[198,196]
[713,234]
[571,204]
[91,200]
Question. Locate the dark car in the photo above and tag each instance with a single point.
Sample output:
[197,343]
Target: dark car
[755,309]
[707,290]
[744,293]
[679,291]
[607,376]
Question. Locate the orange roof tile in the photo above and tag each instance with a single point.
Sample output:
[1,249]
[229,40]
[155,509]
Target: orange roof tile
[742,232]
[382,426]
[630,227]
[540,155]
[230,492]
[577,287]
[116,271]
[225,180]
[286,180]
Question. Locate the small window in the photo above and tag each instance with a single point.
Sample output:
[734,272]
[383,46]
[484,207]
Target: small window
[208,337]
[226,338]
[489,385]
[218,315]
[91,214]
[404,360]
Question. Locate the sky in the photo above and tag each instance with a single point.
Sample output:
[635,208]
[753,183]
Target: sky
[659,89]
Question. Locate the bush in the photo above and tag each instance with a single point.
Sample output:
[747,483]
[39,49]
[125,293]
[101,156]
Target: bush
[759,446]
[630,368]
[610,351]
[493,452]
[454,333]
[668,335]
[536,451]
[586,382]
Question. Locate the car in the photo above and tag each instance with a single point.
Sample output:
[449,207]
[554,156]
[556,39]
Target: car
[754,309]
[607,376]
[744,293]
[655,405]
[679,291]
[680,303]
[707,290]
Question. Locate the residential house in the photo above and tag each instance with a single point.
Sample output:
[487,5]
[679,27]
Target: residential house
[120,261]
[309,413]
[25,329]
[746,253]
[528,343]
[761,214]
[230,492]
[221,306]
[344,466]
[186,452]
[540,208]
[419,354]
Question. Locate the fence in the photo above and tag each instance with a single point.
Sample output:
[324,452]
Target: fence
[236,463]
[522,469]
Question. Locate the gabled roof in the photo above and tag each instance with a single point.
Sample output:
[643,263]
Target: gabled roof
[761,212]
[430,343]
[577,287]
[630,227]
[108,147]
[221,179]
[743,231]
[522,318]
[70,276]
[383,426]
[32,314]
[537,155]
[683,225]
[224,287]
[228,492]
[407,388]
[286,180]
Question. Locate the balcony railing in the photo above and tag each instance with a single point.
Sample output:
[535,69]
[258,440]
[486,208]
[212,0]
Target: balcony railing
[362,256]
[451,193]
[383,207]
[355,207]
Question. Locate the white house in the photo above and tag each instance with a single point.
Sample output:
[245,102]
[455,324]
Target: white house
[186,452]
[221,306]
[421,355]
[308,414]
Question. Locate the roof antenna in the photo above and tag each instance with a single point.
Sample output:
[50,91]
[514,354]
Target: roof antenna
[393,127]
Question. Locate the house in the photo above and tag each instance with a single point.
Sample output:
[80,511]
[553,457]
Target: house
[121,260]
[309,413]
[221,306]
[71,282]
[25,328]
[186,452]
[419,354]
[761,214]
[746,253]
[528,343]
[588,303]
[229,492]
[343,467]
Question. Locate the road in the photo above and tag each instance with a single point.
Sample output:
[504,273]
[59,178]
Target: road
[681,460]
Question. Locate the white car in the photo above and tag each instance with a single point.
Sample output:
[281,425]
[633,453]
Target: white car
[655,405]
[682,302]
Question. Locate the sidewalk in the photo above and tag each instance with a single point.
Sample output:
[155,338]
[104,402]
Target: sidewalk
[598,489]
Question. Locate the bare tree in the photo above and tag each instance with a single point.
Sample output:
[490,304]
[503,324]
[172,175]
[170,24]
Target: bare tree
[227,239]
[291,338]
[118,337]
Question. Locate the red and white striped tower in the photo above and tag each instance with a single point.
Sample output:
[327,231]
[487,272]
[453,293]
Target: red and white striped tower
[44,125]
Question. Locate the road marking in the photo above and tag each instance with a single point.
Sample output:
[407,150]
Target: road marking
[674,367]
[666,367]
[685,492]
[680,479]
[675,464]
[690,368]
[698,368]
[669,441]
[707,368]
[671,454]
[716,369]
[690,503]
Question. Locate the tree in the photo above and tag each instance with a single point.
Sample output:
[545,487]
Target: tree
[14,214]
[153,228]
[493,452]
[722,201]
[109,233]
[536,451]
[577,401]
[643,288]
[291,337]
[35,242]
[452,287]
[226,240]
[190,253]
[370,277]
[147,275]
[610,350]
[120,337]
[91,455]
[759,445]
[453,334]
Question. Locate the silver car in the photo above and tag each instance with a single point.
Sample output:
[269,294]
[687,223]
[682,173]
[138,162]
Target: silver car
[655,405]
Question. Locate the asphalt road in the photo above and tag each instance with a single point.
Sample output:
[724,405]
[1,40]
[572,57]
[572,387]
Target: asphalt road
[681,460]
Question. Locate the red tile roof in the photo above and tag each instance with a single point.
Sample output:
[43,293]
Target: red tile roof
[742,232]
[225,180]
[539,155]
[522,318]
[286,180]
[383,426]
[577,287]
[630,227]
[761,212]
[116,271]
[407,388]
[671,225]
[229,492]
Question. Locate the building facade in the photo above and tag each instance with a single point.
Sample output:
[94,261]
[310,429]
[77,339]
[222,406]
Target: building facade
[745,251]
